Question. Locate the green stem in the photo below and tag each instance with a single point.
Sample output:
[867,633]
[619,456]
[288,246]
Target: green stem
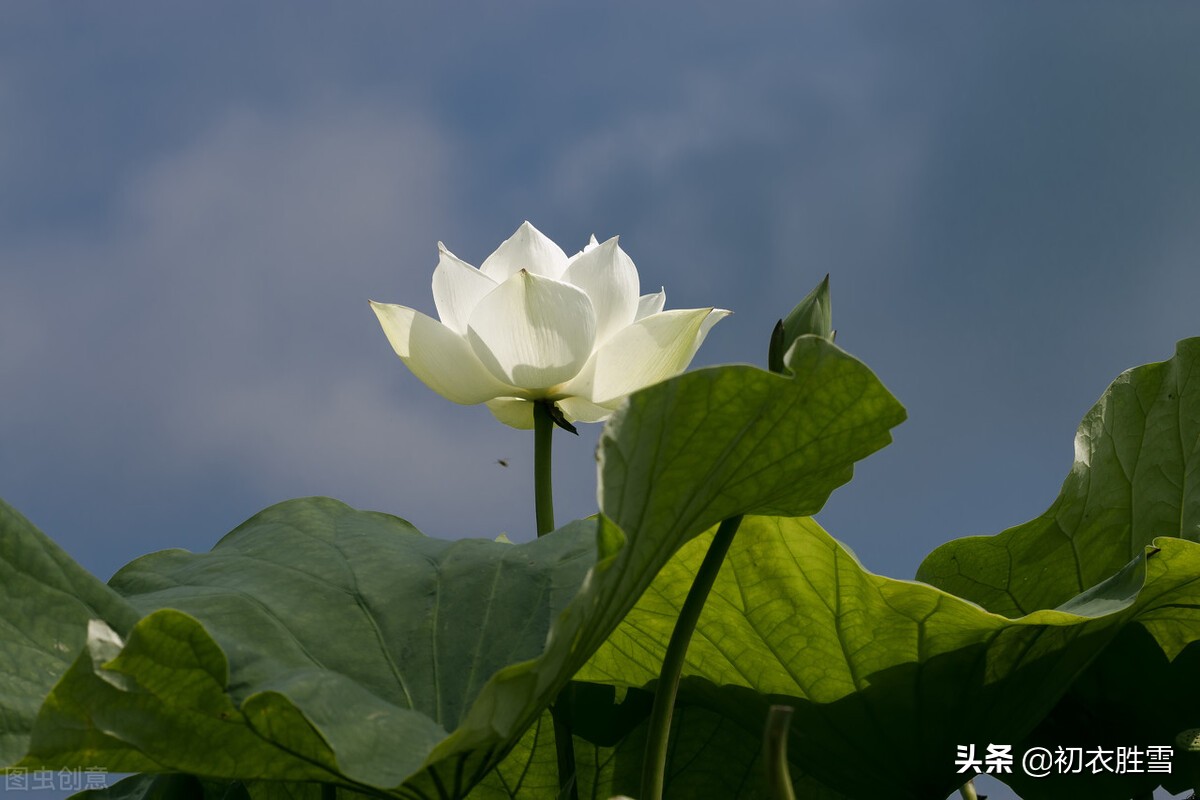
[543,497]
[543,487]
[654,766]
[967,790]
[779,777]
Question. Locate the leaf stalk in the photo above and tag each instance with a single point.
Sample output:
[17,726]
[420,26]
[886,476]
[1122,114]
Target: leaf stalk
[779,777]
[654,766]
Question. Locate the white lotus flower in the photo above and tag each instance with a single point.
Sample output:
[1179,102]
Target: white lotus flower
[531,324]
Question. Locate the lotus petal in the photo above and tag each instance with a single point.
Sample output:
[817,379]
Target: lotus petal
[457,289]
[528,249]
[610,279]
[533,332]
[441,358]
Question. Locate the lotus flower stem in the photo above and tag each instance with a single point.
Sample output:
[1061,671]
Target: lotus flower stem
[654,766]
[543,484]
[543,493]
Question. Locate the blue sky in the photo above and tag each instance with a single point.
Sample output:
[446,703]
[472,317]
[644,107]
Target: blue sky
[197,200]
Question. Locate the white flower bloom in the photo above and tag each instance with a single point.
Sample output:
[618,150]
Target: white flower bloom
[531,324]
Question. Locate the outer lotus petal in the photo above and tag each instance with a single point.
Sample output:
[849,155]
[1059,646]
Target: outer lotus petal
[457,289]
[610,279]
[577,409]
[533,332]
[512,411]
[518,413]
[648,351]
[527,249]
[651,304]
[441,358]
[714,316]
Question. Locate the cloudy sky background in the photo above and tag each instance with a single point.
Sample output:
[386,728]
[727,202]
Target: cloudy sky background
[197,200]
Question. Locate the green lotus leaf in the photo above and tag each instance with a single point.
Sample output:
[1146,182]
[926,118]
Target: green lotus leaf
[1136,477]
[314,643]
[46,601]
[1140,691]
[886,677]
